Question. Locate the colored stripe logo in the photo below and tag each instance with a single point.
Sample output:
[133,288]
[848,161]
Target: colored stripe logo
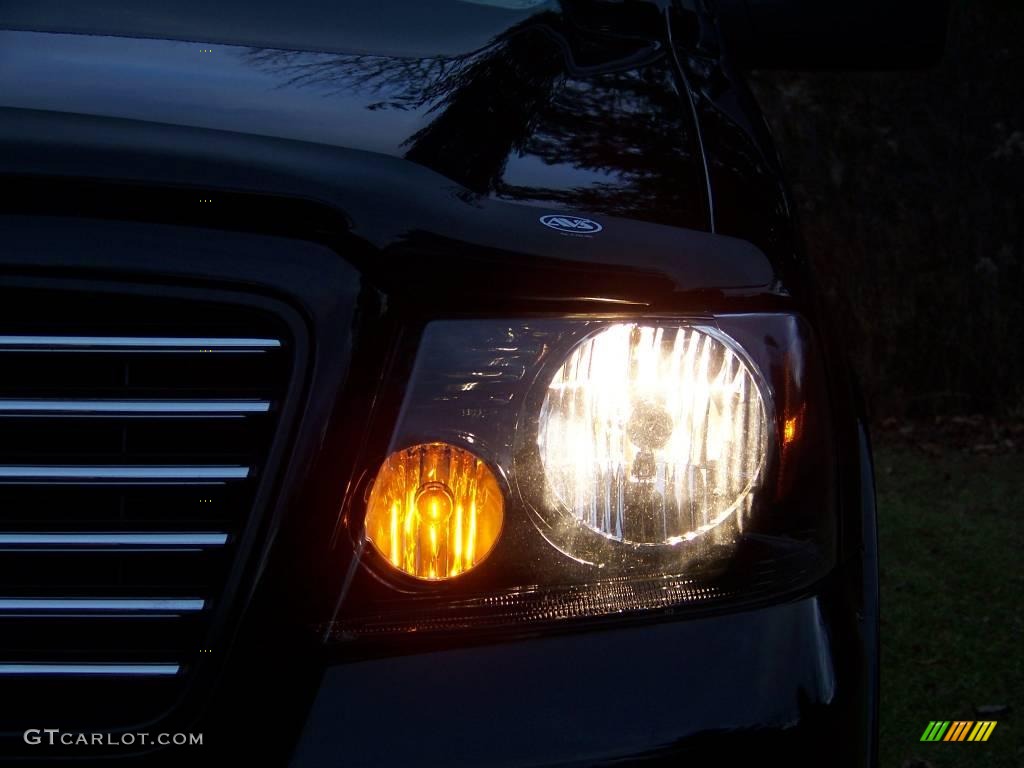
[958,730]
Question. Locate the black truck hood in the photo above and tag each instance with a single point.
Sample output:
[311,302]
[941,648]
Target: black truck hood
[455,132]
[406,28]
[512,99]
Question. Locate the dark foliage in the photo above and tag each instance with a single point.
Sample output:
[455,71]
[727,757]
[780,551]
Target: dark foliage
[910,188]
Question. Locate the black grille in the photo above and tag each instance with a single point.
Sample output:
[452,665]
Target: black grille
[135,439]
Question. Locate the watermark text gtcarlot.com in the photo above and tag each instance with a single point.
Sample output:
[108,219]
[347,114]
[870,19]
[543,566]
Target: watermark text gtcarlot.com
[56,737]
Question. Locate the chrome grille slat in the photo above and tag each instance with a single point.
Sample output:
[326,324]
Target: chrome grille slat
[80,606]
[88,542]
[89,669]
[173,475]
[111,418]
[132,408]
[133,344]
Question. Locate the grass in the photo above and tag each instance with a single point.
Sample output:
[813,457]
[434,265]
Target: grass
[951,537]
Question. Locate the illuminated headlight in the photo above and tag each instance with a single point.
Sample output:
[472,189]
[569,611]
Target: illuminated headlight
[653,434]
[569,468]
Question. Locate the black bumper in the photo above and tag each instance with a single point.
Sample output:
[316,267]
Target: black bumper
[781,683]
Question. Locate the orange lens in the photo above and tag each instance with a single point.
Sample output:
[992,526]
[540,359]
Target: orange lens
[790,430]
[435,511]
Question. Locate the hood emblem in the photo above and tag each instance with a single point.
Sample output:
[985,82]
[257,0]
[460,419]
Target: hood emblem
[572,224]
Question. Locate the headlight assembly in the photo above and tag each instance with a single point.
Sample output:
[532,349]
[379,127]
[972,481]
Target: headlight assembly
[552,469]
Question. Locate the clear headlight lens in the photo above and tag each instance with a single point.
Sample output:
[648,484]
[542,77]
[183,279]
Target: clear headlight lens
[653,434]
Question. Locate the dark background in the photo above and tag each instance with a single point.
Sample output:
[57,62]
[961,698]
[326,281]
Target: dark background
[910,191]
[909,187]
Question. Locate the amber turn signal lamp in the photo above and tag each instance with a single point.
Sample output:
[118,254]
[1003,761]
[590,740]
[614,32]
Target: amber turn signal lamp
[790,430]
[435,511]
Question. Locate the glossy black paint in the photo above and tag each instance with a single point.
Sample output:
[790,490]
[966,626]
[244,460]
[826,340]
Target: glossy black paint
[595,703]
[520,120]
[401,178]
